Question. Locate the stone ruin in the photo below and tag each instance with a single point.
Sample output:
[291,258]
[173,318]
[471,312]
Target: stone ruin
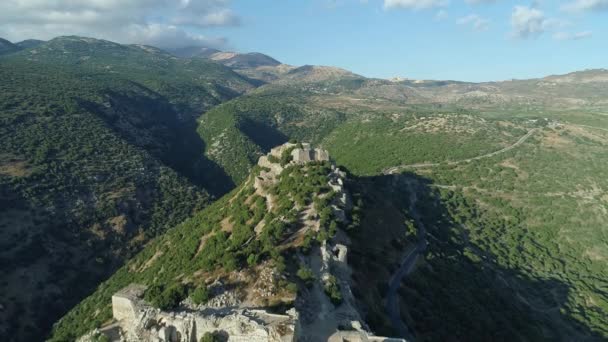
[307,154]
[300,154]
[136,320]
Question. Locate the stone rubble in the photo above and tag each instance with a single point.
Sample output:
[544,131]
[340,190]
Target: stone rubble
[138,321]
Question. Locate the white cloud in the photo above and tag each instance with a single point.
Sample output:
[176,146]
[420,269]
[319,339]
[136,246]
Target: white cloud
[168,36]
[572,36]
[478,2]
[531,22]
[476,22]
[161,22]
[528,22]
[414,4]
[586,5]
[224,17]
[441,15]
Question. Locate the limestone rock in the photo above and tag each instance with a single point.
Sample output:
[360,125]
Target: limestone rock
[138,321]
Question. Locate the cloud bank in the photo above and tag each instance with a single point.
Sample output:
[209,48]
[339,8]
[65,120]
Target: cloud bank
[528,22]
[586,5]
[165,23]
[572,36]
[414,4]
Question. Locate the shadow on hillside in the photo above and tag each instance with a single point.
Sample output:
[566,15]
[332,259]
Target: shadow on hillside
[151,123]
[459,292]
[75,246]
[46,269]
[262,134]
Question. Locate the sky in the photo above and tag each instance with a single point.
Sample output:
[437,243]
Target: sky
[468,40]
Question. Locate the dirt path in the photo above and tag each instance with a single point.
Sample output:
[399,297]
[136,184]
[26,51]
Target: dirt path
[586,126]
[395,169]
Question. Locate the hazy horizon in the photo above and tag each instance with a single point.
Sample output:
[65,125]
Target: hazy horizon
[465,40]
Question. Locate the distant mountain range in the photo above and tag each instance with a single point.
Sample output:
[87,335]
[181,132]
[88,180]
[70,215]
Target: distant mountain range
[7,47]
[231,59]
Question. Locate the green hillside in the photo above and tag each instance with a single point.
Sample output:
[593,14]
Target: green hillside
[99,153]
[516,240]
[497,189]
[520,188]
[220,241]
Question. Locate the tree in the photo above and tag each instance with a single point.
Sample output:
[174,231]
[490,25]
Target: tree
[200,294]
[332,289]
[166,298]
[306,275]
[209,337]
[252,259]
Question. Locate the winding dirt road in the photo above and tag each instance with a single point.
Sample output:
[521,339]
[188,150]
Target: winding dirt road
[396,169]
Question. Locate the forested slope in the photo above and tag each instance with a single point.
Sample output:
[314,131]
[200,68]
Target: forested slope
[99,153]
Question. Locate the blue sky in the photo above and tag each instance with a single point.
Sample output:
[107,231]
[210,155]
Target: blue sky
[471,40]
[433,43]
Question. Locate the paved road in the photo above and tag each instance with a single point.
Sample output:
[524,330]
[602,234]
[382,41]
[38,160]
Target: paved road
[395,169]
[407,266]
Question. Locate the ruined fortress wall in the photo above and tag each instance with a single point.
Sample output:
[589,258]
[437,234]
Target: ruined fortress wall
[123,308]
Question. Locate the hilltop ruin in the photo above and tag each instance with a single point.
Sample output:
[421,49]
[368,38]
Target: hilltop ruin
[314,314]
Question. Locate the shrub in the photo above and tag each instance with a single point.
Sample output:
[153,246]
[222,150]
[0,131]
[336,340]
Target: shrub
[292,287]
[286,156]
[306,275]
[200,294]
[322,235]
[307,242]
[273,159]
[252,259]
[333,228]
[100,338]
[209,337]
[229,262]
[166,298]
[332,289]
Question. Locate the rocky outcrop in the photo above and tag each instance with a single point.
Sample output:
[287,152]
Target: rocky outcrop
[272,168]
[320,313]
[136,320]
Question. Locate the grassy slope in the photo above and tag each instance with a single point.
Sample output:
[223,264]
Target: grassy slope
[410,138]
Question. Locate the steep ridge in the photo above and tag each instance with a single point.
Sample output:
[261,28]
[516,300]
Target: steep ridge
[276,242]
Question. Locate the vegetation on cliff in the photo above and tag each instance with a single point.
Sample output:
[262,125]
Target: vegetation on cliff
[99,153]
[214,243]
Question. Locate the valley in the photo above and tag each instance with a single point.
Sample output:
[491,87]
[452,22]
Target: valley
[478,209]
